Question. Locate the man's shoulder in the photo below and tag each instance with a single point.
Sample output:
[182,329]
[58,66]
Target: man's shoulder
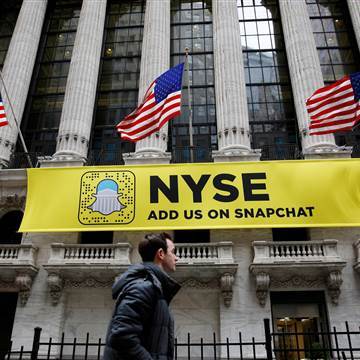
[142,285]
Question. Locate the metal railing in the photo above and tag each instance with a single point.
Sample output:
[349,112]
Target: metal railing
[281,345]
[19,160]
[182,154]
[356,151]
[105,157]
[280,152]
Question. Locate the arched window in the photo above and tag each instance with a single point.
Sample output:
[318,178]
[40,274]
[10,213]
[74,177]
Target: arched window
[9,225]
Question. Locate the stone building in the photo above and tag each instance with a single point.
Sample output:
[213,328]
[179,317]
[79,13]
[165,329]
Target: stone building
[73,68]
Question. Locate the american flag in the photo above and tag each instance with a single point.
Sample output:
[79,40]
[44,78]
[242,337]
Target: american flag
[162,102]
[335,107]
[3,120]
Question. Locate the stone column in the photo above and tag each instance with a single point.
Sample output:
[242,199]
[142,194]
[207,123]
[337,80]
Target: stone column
[78,108]
[18,69]
[306,76]
[354,9]
[231,103]
[155,59]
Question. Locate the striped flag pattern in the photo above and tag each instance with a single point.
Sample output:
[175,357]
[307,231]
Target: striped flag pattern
[162,102]
[3,120]
[335,107]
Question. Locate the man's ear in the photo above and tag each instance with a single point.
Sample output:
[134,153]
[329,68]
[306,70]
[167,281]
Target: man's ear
[160,254]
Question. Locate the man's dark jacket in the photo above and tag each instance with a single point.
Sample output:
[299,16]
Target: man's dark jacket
[142,327]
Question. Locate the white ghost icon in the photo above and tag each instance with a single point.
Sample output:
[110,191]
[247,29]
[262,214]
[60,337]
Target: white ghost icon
[107,198]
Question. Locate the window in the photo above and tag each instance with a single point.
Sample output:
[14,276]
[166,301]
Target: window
[191,27]
[337,50]
[290,234]
[9,225]
[269,94]
[191,236]
[96,237]
[119,79]
[52,67]
[8,17]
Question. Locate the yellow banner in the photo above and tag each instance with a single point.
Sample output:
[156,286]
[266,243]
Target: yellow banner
[194,196]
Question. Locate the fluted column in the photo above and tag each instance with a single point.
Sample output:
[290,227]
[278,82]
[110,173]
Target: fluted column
[354,9]
[306,76]
[231,103]
[155,59]
[78,108]
[18,69]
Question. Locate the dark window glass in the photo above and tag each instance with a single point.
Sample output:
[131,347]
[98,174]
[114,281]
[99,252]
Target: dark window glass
[119,79]
[269,95]
[51,71]
[290,234]
[8,16]
[9,225]
[191,236]
[337,49]
[96,237]
[191,27]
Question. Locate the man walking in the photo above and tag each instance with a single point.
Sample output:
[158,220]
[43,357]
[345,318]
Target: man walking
[142,327]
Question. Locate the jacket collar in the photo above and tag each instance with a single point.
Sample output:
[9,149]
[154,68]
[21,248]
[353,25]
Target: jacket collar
[166,285]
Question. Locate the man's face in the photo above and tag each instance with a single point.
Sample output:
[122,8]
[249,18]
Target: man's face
[169,259]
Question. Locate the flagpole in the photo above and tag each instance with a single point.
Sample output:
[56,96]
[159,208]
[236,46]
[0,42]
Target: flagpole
[191,138]
[16,122]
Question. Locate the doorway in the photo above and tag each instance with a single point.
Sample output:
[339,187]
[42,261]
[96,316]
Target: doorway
[8,303]
[299,318]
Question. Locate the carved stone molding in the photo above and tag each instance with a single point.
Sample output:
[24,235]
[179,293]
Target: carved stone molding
[88,282]
[297,281]
[12,202]
[23,282]
[7,284]
[197,284]
[226,286]
[262,287]
[55,284]
[334,281]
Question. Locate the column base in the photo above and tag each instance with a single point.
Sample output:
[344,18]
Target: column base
[236,154]
[327,152]
[147,157]
[61,160]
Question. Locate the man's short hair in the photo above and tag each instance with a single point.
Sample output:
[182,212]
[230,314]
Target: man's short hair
[151,243]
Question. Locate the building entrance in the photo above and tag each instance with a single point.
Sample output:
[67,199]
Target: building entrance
[299,317]
[8,303]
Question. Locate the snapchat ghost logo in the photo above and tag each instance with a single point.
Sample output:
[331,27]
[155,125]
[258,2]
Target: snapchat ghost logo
[107,198]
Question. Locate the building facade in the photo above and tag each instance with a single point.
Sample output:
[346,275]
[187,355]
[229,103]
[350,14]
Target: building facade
[72,69]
